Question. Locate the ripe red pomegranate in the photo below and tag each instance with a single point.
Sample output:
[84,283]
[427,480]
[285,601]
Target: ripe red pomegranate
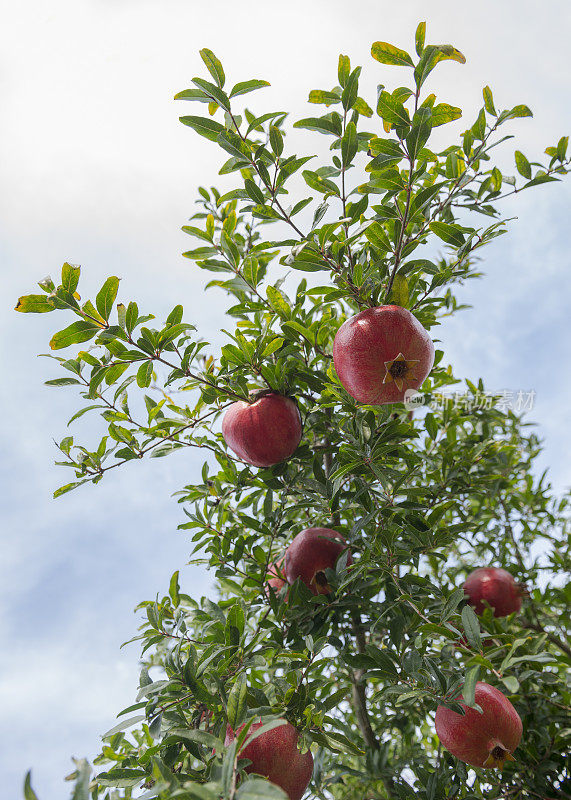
[481,740]
[497,587]
[310,553]
[265,431]
[273,580]
[275,755]
[380,353]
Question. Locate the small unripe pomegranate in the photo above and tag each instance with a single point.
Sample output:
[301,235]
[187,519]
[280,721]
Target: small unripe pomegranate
[481,740]
[495,586]
[276,756]
[265,431]
[310,553]
[380,353]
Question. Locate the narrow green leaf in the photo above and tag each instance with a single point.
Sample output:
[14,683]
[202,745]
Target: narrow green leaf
[29,793]
[319,124]
[237,705]
[349,144]
[214,92]
[208,128]
[248,86]
[387,53]
[469,688]
[276,140]
[343,70]
[443,113]
[260,789]
[192,94]
[451,234]
[34,304]
[391,110]
[106,297]
[489,101]
[399,291]
[471,627]
[377,236]
[213,66]
[419,37]
[420,131]
[126,723]
[75,333]
[522,164]
[324,98]
[70,277]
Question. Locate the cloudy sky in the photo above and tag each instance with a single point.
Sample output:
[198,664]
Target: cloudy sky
[96,170]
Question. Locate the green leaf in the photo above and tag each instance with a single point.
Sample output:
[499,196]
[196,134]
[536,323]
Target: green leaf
[192,94]
[451,234]
[131,317]
[106,297]
[208,128]
[214,92]
[323,185]
[343,70]
[469,687]
[489,101]
[419,37]
[29,793]
[254,191]
[34,304]
[431,56]
[516,111]
[260,789]
[391,110]
[452,603]
[145,374]
[70,277]
[75,333]
[278,302]
[376,235]
[522,164]
[237,704]
[276,140]
[126,723]
[420,131]
[471,627]
[443,113]
[511,683]
[319,124]
[362,107]
[248,86]
[399,291]
[213,66]
[324,98]
[349,144]
[387,53]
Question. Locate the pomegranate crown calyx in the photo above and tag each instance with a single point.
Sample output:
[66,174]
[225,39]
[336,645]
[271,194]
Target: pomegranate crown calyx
[498,755]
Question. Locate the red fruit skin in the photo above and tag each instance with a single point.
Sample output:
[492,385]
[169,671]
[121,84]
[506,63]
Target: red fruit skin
[497,587]
[275,755]
[273,581]
[312,551]
[264,432]
[472,737]
[369,339]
